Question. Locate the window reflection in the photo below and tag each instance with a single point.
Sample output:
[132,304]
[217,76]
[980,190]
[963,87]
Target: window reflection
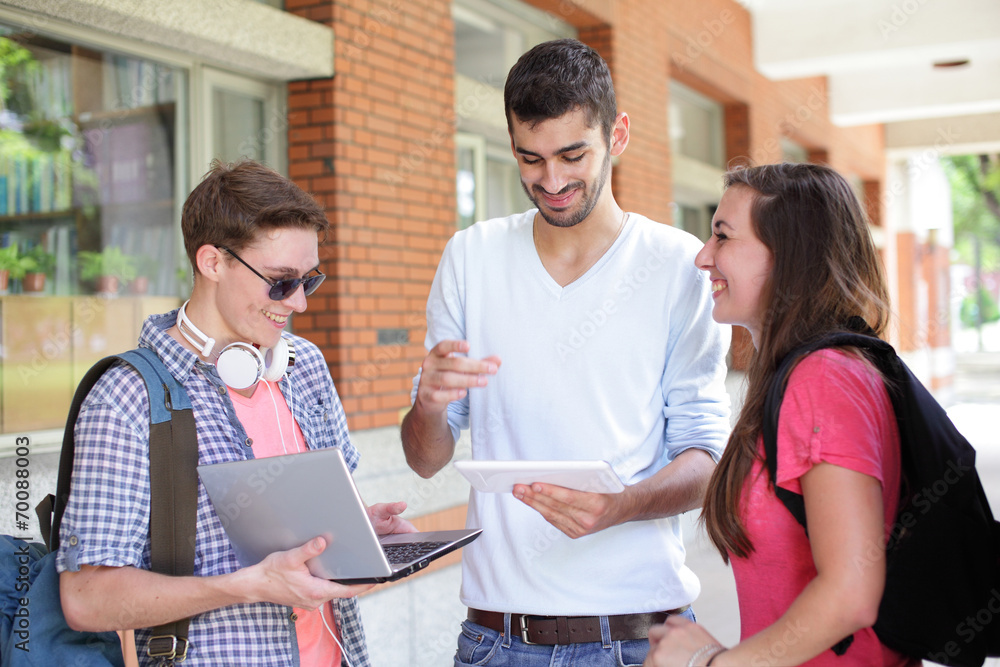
[87,150]
[88,217]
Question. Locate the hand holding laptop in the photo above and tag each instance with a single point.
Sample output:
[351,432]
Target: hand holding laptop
[284,578]
[273,505]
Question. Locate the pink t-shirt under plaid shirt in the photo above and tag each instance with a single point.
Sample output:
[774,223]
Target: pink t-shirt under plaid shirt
[268,422]
[836,410]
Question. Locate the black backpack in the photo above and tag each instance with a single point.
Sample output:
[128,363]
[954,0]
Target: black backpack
[942,589]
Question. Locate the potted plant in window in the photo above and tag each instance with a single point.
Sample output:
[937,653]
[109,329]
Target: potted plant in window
[13,265]
[145,270]
[45,265]
[108,268]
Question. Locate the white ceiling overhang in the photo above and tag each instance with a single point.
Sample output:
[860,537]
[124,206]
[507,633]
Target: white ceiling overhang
[244,36]
[879,55]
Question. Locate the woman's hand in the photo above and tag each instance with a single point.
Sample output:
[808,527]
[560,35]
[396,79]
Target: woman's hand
[680,642]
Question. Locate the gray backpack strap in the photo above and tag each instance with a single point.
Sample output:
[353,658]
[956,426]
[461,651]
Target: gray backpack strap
[173,480]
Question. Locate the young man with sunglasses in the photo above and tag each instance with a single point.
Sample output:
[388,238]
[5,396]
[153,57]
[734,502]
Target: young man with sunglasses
[252,238]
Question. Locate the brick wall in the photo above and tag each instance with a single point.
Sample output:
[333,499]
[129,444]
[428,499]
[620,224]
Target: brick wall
[874,201]
[936,272]
[711,50]
[906,306]
[375,145]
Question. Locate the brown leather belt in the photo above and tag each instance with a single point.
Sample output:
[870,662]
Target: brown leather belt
[551,630]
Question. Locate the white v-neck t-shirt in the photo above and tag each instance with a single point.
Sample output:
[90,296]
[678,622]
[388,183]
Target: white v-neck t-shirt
[623,364]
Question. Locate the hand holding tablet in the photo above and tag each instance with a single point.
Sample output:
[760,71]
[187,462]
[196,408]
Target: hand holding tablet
[501,476]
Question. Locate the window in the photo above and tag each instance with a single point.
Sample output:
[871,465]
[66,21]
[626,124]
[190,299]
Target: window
[96,159]
[89,181]
[697,138]
[695,220]
[471,201]
[242,118]
[506,194]
[792,151]
[88,166]
[489,38]
[696,126]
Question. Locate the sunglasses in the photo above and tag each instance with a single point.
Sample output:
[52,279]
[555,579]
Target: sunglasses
[282,289]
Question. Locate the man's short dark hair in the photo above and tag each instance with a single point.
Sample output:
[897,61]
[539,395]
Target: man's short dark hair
[557,77]
[236,201]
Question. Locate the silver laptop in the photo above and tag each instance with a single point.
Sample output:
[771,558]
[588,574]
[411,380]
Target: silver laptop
[281,502]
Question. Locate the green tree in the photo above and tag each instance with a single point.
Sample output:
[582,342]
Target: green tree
[15,63]
[979,307]
[975,187]
[975,197]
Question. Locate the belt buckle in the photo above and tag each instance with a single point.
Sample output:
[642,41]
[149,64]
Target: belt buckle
[523,621]
[177,651]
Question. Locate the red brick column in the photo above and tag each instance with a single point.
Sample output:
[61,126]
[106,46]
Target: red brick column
[736,116]
[908,267]
[375,144]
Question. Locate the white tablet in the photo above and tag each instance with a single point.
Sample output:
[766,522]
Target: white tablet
[501,476]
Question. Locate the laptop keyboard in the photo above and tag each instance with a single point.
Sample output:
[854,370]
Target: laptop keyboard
[404,553]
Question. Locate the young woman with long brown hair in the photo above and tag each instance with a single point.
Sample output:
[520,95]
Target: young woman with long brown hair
[791,259]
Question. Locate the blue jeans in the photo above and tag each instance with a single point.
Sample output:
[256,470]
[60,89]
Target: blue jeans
[481,646]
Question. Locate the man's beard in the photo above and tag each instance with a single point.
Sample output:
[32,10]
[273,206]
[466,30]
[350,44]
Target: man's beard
[586,205]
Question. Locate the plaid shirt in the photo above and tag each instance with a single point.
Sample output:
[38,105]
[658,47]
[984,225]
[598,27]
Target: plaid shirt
[107,517]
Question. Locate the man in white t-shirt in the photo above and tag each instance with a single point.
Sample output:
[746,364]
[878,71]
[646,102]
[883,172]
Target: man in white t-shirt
[575,330]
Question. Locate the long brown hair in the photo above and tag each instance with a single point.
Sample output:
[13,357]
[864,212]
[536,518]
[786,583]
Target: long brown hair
[825,271]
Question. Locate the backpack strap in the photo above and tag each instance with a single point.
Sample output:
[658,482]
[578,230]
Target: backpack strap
[877,351]
[50,510]
[173,459]
[173,489]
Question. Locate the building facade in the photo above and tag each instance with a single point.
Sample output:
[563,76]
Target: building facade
[390,113]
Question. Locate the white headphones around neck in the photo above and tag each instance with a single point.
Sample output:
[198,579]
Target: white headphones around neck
[240,365]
